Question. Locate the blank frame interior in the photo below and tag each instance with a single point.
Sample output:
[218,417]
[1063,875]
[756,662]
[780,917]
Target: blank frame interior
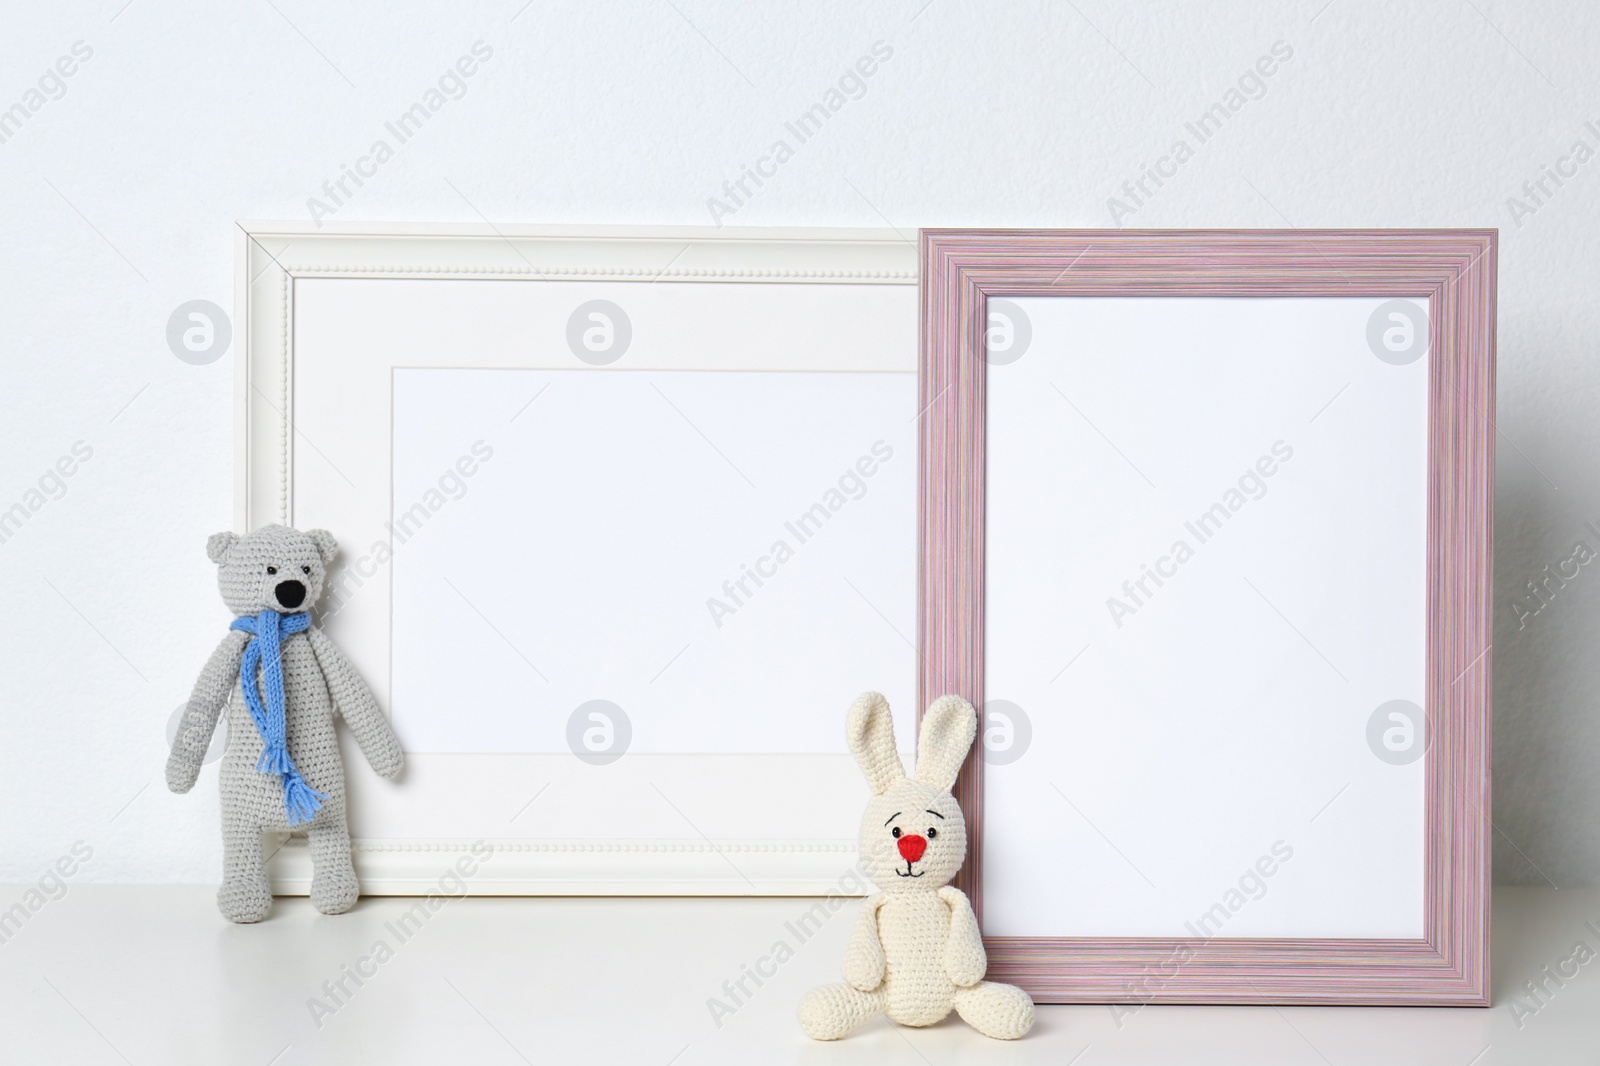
[1207,530]
[607,549]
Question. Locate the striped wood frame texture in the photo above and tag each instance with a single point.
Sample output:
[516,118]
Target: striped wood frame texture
[1454,270]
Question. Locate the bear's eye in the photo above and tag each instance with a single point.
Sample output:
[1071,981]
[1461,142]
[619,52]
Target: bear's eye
[305,570]
[272,569]
[932,832]
[895,832]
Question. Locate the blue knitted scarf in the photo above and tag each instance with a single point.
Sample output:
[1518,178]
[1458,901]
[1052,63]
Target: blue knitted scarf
[265,651]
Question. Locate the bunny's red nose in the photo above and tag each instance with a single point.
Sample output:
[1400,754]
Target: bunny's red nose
[912,847]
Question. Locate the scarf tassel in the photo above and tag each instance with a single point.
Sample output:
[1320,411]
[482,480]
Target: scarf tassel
[300,799]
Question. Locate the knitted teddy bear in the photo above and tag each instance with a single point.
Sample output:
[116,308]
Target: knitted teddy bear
[282,682]
[916,953]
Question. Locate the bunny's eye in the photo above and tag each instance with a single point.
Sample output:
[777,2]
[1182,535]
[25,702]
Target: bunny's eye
[272,569]
[932,832]
[305,570]
[895,832]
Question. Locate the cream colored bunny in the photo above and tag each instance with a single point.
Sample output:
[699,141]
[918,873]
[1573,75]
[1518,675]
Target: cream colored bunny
[916,954]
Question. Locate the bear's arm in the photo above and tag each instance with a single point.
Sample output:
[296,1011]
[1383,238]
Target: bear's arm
[964,959]
[354,700]
[199,720]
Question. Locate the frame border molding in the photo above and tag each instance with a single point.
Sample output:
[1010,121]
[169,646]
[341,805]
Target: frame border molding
[1455,271]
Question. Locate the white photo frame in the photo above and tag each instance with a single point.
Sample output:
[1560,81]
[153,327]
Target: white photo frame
[734,383]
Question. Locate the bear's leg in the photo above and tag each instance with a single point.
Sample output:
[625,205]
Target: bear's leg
[1003,1012]
[334,888]
[245,895]
[832,1011]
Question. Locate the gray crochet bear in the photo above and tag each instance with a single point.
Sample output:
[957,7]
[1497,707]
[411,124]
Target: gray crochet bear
[282,682]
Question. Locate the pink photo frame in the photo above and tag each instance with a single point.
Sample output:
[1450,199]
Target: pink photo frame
[1455,272]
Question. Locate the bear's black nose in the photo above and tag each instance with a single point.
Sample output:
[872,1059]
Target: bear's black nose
[290,593]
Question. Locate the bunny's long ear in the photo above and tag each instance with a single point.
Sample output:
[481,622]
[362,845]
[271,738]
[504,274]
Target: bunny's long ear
[870,734]
[946,735]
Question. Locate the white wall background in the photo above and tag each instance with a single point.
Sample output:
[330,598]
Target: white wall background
[118,203]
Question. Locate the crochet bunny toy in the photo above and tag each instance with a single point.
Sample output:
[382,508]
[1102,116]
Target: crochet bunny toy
[282,682]
[916,953]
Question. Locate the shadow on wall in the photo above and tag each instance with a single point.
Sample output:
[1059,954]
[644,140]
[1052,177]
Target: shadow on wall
[1546,661]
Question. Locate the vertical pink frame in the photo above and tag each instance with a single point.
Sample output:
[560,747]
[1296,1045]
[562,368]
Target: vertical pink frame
[1455,271]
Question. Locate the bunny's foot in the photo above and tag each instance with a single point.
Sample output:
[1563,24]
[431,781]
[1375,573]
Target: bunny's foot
[832,1011]
[1003,1012]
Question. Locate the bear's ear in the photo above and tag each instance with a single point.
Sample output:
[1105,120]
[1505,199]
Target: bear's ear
[327,547]
[218,545]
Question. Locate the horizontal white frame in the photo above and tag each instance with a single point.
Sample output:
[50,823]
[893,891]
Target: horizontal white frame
[271,256]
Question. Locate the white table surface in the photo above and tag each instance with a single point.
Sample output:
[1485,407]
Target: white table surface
[152,974]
